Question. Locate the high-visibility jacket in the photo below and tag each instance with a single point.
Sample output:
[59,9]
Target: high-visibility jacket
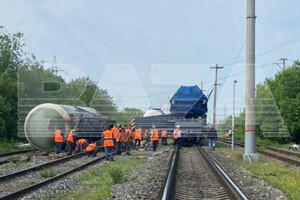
[91,147]
[114,131]
[82,141]
[70,137]
[120,136]
[146,133]
[58,136]
[108,138]
[128,135]
[138,134]
[176,133]
[155,135]
[164,134]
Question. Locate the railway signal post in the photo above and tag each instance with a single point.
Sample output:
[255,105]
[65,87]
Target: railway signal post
[250,154]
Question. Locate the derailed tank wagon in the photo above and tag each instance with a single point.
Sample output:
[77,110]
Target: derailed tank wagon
[188,110]
[42,120]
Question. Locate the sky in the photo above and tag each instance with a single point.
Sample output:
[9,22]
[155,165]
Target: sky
[141,51]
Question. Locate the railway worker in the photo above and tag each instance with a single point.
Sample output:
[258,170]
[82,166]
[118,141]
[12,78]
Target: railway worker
[146,135]
[108,143]
[81,144]
[177,136]
[114,130]
[164,135]
[120,139]
[154,137]
[137,138]
[91,150]
[58,139]
[127,140]
[212,137]
[71,140]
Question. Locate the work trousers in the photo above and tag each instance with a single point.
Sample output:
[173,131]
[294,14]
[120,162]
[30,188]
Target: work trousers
[164,140]
[137,142]
[93,153]
[109,153]
[127,148]
[154,145]
[179,142]
[58,147]
[212,143]
[119,147]
[70,147]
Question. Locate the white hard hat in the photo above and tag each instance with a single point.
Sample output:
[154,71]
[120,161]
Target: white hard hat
[177,126]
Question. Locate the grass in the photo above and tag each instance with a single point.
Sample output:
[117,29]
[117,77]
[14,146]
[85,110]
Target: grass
[48,173]
[99,180]
[6,147]
[279,174]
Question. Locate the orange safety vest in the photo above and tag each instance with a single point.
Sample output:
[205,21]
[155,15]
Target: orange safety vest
[128,135]
[155,136]
[146,133]
[120,136]
[91,147]
[164,134]
[108,138]
[176,132]
[138,134]
[58,137]
[70,137]
[81,141]
[114,130]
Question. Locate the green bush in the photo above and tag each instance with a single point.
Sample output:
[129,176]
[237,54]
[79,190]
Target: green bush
[48,173]
[117,174]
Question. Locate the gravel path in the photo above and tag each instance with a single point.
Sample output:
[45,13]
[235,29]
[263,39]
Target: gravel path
[253,188]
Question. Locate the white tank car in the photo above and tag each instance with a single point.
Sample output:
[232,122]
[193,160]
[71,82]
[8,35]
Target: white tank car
[44,119]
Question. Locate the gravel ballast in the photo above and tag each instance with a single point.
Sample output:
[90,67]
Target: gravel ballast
[147,184]
[253,188]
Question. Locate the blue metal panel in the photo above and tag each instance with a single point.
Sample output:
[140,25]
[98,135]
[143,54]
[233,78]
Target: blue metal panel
[189,101]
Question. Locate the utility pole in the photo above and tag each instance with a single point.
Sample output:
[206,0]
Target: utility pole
[215,92]
[283,60]
[250,154]
[233,115]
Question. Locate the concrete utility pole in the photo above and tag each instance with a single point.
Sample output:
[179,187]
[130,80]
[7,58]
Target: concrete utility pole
[233,115]
[250,154]
[215,93]
[283,60]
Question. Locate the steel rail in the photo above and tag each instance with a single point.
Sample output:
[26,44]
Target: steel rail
[168,183]
[236,193]
[40,166]
[16,152]
[31,188]
[271,152]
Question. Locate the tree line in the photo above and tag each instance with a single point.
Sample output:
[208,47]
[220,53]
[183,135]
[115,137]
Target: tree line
[277,108]
[25,83]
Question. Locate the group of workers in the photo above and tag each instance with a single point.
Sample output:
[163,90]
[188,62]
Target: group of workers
[114,139]
[120,137]
[74,144]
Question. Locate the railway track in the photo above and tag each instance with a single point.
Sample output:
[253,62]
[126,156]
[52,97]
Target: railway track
[194,174]
[12,188]
[4,156]
[280,154]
